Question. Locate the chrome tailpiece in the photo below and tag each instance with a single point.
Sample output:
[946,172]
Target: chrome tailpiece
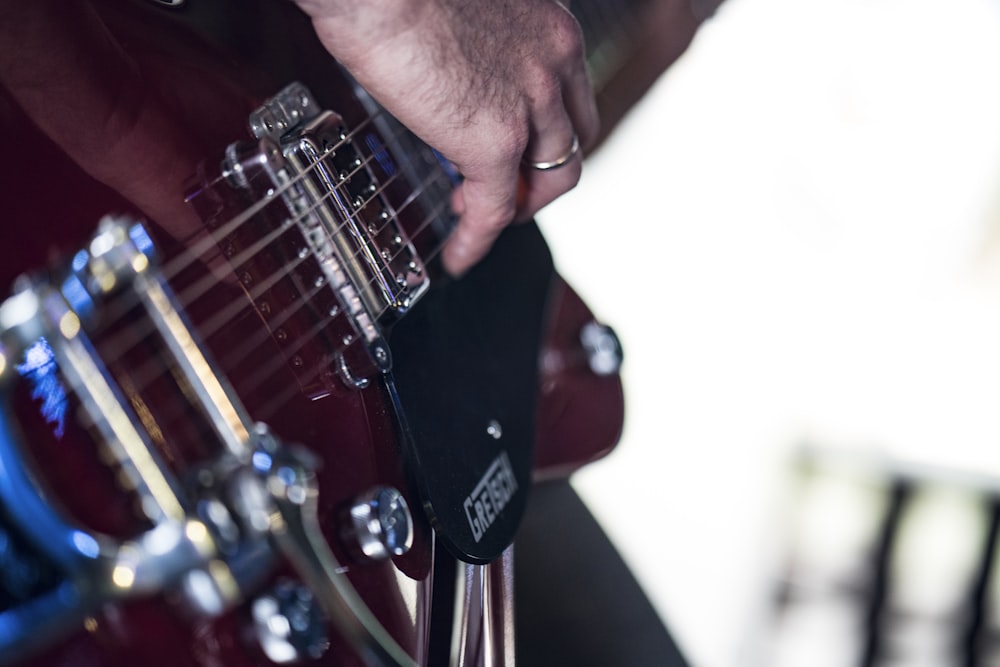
[213,531]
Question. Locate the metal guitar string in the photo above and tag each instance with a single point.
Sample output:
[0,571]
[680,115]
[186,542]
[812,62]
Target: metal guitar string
[208,243]
[204,246]
[131,336]
[201,245]
[275,364]
[373,639]
[261,336]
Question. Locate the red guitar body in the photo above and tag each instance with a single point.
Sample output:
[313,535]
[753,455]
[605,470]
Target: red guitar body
[116,107]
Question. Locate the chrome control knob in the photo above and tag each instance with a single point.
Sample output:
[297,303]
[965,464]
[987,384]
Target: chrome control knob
[380,524]
[604,350]
[289,624]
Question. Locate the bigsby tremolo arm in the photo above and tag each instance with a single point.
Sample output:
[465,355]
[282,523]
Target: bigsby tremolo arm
[261,491]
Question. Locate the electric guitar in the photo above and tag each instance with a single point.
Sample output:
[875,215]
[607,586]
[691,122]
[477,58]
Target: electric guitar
[247,420]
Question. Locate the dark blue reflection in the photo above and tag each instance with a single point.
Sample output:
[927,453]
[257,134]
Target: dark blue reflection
[41,371]
[381,154]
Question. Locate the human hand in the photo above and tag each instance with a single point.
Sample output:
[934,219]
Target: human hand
[494,86]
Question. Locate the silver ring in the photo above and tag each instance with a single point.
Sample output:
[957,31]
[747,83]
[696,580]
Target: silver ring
[574,148]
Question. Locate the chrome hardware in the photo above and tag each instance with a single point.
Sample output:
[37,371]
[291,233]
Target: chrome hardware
[289,479]
[52,318]
[293,105]
[347,377]
[216,541]
[483,628]
[604,350]
[381,523]
[289,624]
[333,197]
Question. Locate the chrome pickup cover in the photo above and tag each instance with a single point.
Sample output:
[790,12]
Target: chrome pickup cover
[370,243]
[333,196]
[329,225]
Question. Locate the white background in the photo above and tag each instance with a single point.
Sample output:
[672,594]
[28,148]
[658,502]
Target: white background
[797,237]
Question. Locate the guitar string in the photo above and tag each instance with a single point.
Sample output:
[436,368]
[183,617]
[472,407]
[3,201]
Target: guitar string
[352,219]
[134,335]
[275,322]
[209,244]
[200,248]
[203,285]
[203,247]
[148,374]
[616,57]
[589,14]
[305,378]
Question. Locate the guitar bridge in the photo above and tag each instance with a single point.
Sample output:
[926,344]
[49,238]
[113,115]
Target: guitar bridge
[321,237]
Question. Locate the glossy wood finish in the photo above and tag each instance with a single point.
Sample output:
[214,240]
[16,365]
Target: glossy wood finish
[580,413]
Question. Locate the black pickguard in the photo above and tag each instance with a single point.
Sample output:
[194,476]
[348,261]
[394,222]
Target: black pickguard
[467,356]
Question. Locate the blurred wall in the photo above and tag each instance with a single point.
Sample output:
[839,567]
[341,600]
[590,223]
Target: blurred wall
[796,237]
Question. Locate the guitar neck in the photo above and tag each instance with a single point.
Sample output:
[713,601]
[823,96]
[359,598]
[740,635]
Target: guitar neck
[610,28]
[629,43]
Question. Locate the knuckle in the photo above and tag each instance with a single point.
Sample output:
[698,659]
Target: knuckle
[495,148]
[566,37]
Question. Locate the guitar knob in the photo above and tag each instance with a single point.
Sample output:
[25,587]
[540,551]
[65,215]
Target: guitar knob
[604,350]
[380,524]
[289,624]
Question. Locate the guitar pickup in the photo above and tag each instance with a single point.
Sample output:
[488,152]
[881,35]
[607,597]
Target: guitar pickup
[317,229]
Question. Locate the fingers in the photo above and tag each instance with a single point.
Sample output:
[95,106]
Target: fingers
[562,116]
[487,204]
[487,84]
[490,199]
[556,170]
[573,96]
